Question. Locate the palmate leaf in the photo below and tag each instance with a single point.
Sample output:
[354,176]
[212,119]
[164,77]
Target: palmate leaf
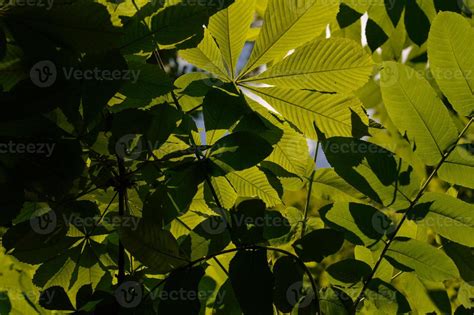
[425,260]
[289,24]
[73,269]
[447,216]
[415,108]
[331,112]
[332,65]
[206,56]
[230,28]
[450,44]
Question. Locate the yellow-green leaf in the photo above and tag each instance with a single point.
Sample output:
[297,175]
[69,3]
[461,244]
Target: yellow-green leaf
[332,65]
[230,28]
[415,108]
[450,47]
[288,25]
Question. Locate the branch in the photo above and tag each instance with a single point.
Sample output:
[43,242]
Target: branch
[405,215]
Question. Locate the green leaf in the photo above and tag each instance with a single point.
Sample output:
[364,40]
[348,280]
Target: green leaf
[372,170]
[83,25]
[39,239]
[463,257]
[288,25]
[348,271]
[376,36]
[447,216]
[327,185]
[227,153]
[253,182]
[425,260]
[459,163]
[12,69]
[150,81]
[333,113]
[395,10]
[5,305]
[450,42]
[254,290]
[206,56]
[228,304]
[181,25]
[424,296]
[218,118]
[288,276]
[330,65]
[230,28]
[72,270]
[154,247]
[361,224]
[291,152]
[415,108]
[382,297]
[186,281]
[224,191]
[318,244]
[417,23]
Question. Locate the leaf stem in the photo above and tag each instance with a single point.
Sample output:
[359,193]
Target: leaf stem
[405,215]
[252,247]
[122,188]
[310,188]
